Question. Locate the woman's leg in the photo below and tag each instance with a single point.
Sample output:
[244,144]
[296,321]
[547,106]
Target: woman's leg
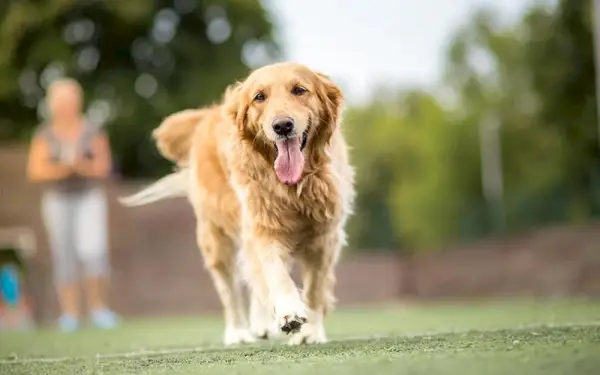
[57,213]
[92,245]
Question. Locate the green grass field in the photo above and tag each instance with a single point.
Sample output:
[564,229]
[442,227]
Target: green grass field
[517,337]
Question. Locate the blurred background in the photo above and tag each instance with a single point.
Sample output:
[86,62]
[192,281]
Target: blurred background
[473,127]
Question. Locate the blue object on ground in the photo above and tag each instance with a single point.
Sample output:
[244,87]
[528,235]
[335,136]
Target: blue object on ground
[9,284]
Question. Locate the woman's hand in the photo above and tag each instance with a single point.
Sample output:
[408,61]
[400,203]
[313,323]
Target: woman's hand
[87,168]
[99,165]
[40,169]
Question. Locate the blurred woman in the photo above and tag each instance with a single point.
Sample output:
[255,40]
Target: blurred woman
[69,157]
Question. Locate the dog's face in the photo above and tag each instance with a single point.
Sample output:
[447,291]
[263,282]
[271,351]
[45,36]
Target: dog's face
[289,109]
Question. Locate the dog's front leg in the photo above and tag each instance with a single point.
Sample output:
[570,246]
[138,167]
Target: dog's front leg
[318,278]
[269,279]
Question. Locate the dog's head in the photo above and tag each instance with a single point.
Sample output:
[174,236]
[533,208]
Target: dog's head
[288,111]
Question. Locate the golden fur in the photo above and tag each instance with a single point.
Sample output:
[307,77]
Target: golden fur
[173,136]
[228,152]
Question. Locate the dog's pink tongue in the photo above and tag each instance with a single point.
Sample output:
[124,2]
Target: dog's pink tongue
[290,161]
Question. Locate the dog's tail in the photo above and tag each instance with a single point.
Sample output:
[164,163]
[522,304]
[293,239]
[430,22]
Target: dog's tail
[173,185]
[173,138]
[175,134]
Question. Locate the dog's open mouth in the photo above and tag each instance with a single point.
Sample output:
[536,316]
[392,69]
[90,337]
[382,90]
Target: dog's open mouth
[302,145]
[289,163]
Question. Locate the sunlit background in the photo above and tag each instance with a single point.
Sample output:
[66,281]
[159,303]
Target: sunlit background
[473,126]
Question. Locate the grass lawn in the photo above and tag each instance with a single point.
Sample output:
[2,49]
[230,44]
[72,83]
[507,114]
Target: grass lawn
[508,337]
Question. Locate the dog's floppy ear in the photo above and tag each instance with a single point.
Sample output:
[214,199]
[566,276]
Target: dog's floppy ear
[235,106]
[332,100]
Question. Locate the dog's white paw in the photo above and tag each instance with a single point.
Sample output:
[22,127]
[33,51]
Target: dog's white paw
[262,322]
[309,334]
[235,336]
[264,330]
[290,314]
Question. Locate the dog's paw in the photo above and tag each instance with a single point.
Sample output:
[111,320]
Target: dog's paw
[290,315]
[266,334]
[292,323]
[236,336]
[262,324]
[265,331]
[309,334]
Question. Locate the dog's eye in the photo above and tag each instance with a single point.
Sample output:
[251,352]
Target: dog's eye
[298,90]
[259,97]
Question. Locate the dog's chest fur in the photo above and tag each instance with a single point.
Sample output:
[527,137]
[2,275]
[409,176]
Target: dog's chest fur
[311,208]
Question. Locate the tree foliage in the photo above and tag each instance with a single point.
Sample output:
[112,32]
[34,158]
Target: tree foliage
[561,58]
[419,169]
[137,60]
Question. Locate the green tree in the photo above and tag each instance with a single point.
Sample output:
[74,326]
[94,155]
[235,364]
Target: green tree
[489,67]
[137,60]
[372,132]
[419,169]
[414,168]
[560,56]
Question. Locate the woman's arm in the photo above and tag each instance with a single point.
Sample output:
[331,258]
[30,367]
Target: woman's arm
[39,168]
[99,165]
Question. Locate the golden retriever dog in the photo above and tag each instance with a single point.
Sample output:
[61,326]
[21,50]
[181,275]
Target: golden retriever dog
[268,176]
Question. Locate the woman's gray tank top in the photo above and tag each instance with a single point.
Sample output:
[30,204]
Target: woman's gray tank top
[61,151]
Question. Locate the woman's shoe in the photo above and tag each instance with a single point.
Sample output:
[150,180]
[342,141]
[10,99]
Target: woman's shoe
[68,323]
[104,318]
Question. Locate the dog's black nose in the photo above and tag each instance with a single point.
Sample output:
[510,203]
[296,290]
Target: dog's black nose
[283,125]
